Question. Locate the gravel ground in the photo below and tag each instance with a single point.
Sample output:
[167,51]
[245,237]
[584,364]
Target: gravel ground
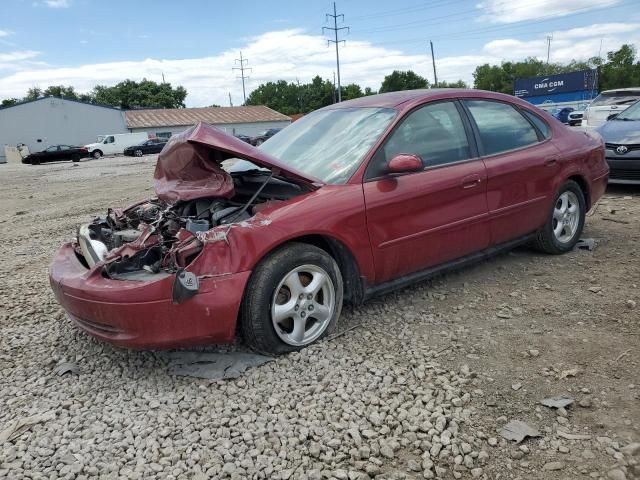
[418,388]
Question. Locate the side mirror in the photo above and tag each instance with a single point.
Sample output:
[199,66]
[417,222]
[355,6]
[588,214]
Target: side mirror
[612,116]
[404,163]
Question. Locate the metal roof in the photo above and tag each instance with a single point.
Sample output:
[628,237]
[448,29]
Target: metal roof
[166,117]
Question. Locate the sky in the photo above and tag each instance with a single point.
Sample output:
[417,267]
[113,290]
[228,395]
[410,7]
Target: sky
[195,43]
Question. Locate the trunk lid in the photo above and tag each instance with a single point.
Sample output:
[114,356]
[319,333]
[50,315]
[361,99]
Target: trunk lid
[189,166]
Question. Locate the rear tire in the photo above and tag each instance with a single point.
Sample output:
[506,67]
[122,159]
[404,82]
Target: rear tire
[293,299]
[96,154]
[564,226]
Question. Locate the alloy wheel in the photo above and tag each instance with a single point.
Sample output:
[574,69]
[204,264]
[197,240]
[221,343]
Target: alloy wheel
[303,304]
[566,217]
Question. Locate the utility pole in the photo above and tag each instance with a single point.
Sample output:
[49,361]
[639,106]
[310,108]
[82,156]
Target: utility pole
[335,30]
[334,86]
[549,38]
[163,78]
[433,61]
[230,104]
[242,62]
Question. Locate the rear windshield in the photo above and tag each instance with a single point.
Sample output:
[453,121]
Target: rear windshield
[616,98]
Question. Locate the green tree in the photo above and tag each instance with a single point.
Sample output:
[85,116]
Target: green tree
[145,94]
[60,91]
[290,98]
[9,102]
[368,91]
[458,84]
[399,80]
[351,91]
[33,93]
[620,70]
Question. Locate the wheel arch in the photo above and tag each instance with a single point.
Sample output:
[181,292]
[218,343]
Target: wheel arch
[584,186]
[353,284]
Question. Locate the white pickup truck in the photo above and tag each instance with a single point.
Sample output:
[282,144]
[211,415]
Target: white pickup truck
[115,144]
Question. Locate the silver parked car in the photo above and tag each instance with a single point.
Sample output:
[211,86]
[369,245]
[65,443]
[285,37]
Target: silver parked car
[608,103]
[622,141]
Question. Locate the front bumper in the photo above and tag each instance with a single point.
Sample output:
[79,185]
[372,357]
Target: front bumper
[141,314]
[624,170]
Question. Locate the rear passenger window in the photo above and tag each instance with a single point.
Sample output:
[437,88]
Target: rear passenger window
[501,126]
[538,122]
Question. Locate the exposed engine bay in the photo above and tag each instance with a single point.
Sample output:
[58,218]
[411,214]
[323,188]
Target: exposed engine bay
[155,236]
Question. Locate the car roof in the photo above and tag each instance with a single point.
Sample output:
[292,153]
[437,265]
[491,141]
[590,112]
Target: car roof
[411,97]
[615,90]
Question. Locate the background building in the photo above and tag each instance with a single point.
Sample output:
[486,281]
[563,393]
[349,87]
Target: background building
[249,120]
[51,121]
[575,89]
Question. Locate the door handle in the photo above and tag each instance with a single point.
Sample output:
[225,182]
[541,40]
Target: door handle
[550,162]
[471,181]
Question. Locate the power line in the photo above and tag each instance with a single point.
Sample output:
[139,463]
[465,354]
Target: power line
[482,32]
[335,30]
[242,62]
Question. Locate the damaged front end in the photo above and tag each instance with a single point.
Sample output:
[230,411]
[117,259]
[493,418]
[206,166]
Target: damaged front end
[197,202]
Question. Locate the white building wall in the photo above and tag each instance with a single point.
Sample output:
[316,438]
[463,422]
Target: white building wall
[250,129]
[56,121]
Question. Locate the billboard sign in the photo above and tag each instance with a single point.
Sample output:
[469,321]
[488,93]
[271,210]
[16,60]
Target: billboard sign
[584,80]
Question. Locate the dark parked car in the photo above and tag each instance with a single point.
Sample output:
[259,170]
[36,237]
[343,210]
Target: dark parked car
[562,114]
[244,138]
[153,145]
[621,134]
[55,153]
[264,136]
[348,202]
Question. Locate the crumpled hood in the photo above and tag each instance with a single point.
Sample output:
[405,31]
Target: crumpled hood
[189,166]
[620,131]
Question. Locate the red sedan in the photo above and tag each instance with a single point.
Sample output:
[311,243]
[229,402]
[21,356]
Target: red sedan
[350,201]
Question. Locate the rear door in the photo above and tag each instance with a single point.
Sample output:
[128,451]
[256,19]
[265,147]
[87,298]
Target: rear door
[521,164]
[425,218]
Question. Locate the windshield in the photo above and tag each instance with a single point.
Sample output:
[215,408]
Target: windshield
[100,139]
[329,144]
[631,113]
[615,98]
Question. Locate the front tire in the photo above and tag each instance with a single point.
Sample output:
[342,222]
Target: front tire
[96,154]
[293,298]
[565,223]
[138,153]
[75,158]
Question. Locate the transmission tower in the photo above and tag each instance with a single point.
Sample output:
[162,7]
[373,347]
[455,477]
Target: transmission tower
[242,62]
[335,30]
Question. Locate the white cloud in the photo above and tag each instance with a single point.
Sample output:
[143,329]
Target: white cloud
[577,43]
[293,54]
[17,60]
[57,3]
[4,33]
[501,11]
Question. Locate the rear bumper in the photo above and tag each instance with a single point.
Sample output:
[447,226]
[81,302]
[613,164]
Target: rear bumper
[598,187]
[626,171]
[140,314]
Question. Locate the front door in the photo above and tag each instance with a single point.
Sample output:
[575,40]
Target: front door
[419,220]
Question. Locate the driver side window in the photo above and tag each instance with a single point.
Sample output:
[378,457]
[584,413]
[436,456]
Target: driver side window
[109,139]
[435,133]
